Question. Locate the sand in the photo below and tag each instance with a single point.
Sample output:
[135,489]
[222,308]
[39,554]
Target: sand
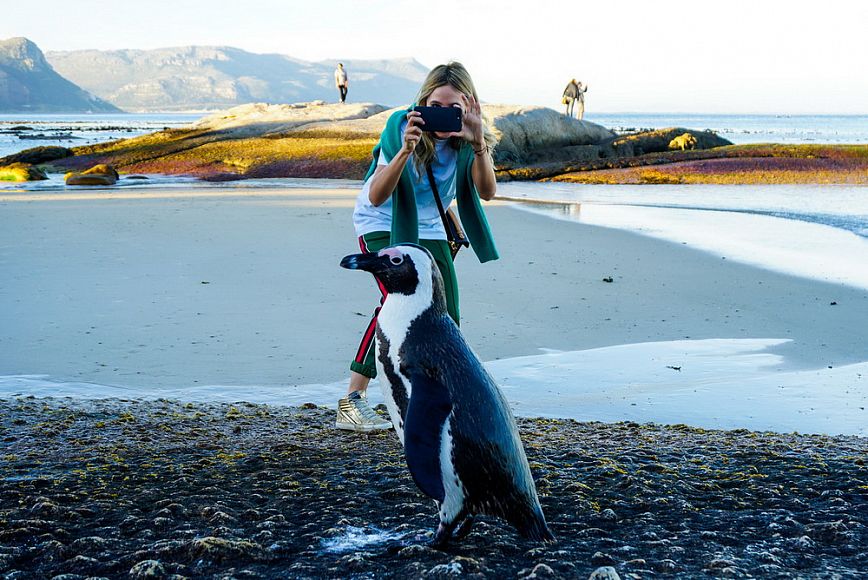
[179,288]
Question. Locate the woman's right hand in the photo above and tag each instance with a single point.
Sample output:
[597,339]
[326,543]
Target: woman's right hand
[413,131]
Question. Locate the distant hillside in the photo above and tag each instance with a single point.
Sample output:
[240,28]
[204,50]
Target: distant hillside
[217,77]
[29,84]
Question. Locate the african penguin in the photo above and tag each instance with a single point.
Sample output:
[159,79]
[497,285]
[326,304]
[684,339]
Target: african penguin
[460,439]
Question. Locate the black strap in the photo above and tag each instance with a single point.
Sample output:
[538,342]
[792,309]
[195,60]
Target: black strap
[451,234]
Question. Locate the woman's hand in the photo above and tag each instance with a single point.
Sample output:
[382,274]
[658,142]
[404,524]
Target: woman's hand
[471,129]
[413,132]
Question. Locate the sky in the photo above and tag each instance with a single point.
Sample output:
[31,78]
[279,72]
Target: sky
[737,56]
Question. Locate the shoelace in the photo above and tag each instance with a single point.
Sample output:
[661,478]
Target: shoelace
[366,411]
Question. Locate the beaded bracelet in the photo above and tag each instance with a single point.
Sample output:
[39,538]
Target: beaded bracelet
[481,151]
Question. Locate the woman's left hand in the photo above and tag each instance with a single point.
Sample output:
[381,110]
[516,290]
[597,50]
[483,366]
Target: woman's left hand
[471,128]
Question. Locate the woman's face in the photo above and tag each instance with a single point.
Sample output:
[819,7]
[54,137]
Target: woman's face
[447,96]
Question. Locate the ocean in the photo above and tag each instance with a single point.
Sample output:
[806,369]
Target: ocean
[74,130]
[19,131]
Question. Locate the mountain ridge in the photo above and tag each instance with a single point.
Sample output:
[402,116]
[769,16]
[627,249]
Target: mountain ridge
[195,77]
[28,83]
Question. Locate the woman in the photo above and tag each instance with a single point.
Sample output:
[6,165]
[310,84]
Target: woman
[397,204]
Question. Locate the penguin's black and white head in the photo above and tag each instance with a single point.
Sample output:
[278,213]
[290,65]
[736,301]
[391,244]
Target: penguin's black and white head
[403,269]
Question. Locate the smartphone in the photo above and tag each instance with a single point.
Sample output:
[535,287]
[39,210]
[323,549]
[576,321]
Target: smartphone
[440,119]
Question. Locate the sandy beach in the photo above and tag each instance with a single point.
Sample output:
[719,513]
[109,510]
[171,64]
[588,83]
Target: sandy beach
[181,289]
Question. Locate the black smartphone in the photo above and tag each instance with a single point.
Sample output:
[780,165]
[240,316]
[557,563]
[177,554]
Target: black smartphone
[440,119]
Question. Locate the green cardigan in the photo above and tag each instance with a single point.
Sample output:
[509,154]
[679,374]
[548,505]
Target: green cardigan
[405,218]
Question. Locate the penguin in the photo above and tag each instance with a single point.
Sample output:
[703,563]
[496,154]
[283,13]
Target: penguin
[460,439]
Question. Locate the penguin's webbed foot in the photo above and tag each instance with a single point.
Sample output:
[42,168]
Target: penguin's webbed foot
[464,527]
[442,535]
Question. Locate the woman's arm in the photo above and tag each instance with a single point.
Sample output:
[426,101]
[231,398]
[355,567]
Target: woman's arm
[385,177]
[482,170]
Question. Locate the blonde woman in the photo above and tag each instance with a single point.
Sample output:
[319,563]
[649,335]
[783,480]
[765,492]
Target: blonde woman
[397,204]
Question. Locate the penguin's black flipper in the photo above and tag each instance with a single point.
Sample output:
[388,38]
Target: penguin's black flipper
[427,411]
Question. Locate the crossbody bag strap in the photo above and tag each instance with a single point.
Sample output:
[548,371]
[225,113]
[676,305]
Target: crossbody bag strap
[451,234]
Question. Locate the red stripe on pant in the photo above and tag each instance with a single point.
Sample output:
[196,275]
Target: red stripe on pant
[368,337]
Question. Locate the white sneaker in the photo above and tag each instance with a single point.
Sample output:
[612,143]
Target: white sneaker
[354,414]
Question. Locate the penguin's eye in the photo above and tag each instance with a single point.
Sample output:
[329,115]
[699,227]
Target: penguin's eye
[397,260]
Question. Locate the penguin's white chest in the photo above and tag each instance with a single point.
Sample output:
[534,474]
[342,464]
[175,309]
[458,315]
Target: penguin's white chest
[453,489]
[394,320]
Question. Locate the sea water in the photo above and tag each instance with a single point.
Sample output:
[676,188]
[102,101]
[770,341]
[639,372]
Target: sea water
[70,130]
[741,129]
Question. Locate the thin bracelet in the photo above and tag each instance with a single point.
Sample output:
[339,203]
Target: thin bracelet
[481,151]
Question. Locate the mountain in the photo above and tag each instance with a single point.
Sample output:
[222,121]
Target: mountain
[217,77]
[28,83]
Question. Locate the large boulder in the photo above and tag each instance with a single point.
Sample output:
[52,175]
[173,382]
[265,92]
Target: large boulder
[21,172]
[97,175]
[524,134]
[532,134]
[260,119]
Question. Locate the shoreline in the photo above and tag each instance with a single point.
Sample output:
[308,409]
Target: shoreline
[177,290]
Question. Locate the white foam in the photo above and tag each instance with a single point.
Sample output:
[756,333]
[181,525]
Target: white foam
[355,539]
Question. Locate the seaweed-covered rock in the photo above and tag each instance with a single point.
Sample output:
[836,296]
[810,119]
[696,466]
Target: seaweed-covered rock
[659,141]
[21,172]
[101,174]
[37,155]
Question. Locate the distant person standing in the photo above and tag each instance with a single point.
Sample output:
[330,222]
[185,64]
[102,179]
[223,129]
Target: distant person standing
[583,88]
[342,81]
[575,92]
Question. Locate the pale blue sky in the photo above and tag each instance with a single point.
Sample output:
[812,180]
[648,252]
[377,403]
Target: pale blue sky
[738,56]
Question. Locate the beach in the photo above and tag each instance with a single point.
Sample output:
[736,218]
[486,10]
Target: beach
[180,289]
[159,310]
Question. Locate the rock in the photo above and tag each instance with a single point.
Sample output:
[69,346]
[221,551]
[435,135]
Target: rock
[21,172]
[97,175]
[37,155]
[602,559]
[719,564]
[829,532]
[534,134]
[665,566]
[538,571]
[147,569]
[357,561]
[609,515]
[604,573]
[445,570]
[222,549]
[262,119]
[83,564]
[658,141]
[417,552]
[683,142]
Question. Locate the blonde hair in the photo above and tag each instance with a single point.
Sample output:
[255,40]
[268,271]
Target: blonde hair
[455,75]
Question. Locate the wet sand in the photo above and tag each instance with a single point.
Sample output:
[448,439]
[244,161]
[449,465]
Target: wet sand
[180,288]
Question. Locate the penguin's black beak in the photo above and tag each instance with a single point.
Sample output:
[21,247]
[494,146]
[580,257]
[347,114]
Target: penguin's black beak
[369,262]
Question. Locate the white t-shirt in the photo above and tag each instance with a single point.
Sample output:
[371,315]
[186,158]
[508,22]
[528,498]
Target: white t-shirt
[369,218]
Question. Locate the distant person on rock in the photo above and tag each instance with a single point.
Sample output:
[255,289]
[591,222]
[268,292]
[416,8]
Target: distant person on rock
[342,81]
[575,92]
